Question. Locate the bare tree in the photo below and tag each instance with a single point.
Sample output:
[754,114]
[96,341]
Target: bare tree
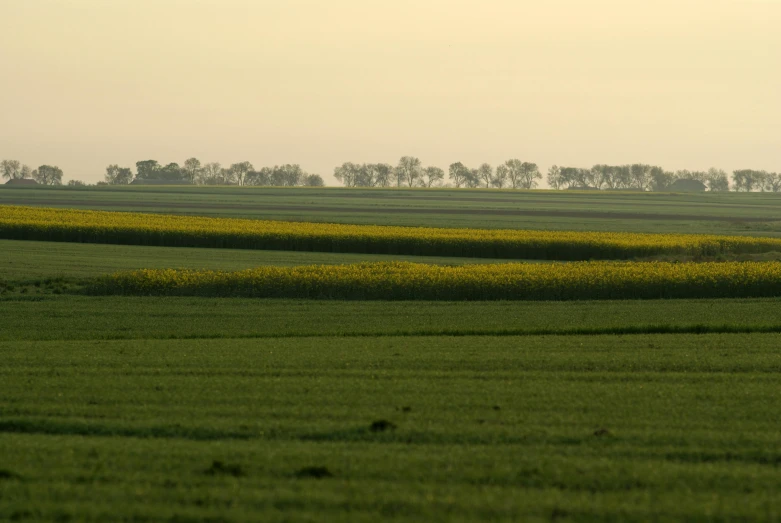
[717,180]
[502,177]
[408,171]
[212,174]
[521,175]
[458,174]
[116,175]
[433,176]
[313,180]
[48,175]
[554,177]
[348,174]
[486,174]
[238,172]
[11,169]
[192,169]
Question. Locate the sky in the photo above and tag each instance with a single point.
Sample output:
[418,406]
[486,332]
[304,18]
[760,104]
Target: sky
[685,84]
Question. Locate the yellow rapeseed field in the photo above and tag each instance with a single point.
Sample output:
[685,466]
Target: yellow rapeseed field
[511,281]
[36,223]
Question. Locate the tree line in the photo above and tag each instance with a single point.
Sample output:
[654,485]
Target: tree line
[45,174]
[193,171]
[517,174]
[410,172]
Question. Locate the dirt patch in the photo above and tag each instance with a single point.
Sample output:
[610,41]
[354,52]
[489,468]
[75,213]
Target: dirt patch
[382,426]
[219,468]
[314,472]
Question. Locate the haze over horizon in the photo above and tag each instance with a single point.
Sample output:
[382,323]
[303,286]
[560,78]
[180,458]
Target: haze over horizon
[685,84]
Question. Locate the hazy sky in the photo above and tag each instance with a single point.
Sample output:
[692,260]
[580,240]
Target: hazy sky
[683,83]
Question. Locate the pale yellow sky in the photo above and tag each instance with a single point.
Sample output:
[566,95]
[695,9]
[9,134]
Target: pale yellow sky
[684,83]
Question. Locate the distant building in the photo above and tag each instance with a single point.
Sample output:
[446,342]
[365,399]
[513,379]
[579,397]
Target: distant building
[160,182]
[687,186]
[21,181]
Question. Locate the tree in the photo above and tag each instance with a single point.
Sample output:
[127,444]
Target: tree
[717,180]
[458,174]
[383,172]
[27,172]
[554,177]
[503,175]
[313,180]
[237,172]
[473,180]
[48,175]
[212,174]
[408,171]
[772,182]
[11,169]
[659,179]
[748,179]
[116,175]
[348,174]
[287,175]
[529,175]
[170,173]
[147,169]
[259,178]
[486,174]
[192,169]
[76,183]
[433,176]
[640,175]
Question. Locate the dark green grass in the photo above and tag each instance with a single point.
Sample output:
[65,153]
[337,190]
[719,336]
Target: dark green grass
[25,260]
[607,428]
[49,317]
[650,212]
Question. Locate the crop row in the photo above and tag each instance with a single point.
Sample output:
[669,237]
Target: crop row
[411,281]
[72,225]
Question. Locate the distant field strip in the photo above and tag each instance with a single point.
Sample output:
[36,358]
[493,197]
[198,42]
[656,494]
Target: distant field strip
[412,281]
[406,210]
[32,223]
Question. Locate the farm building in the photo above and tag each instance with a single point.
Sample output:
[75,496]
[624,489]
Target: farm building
[21,182]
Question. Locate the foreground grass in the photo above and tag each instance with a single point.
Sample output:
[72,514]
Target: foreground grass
[611,428]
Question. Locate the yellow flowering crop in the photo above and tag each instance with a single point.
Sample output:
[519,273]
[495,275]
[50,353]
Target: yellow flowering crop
[511,281]
[33,223]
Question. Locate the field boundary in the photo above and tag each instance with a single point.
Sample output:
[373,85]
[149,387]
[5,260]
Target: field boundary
[393,210]
[456,333]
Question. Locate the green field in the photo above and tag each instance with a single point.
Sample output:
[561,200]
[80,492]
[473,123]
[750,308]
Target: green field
[23,260]
[330,426]
[169,409]
[717,213]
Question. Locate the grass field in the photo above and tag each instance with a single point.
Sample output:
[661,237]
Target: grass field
[718,213]
[573,427]
[23,260]
[175,409]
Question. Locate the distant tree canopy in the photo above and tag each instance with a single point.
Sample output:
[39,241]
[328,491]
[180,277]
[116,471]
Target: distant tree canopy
[48,175]
[12,170]
[410,172]
[193,171]
[637,176]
